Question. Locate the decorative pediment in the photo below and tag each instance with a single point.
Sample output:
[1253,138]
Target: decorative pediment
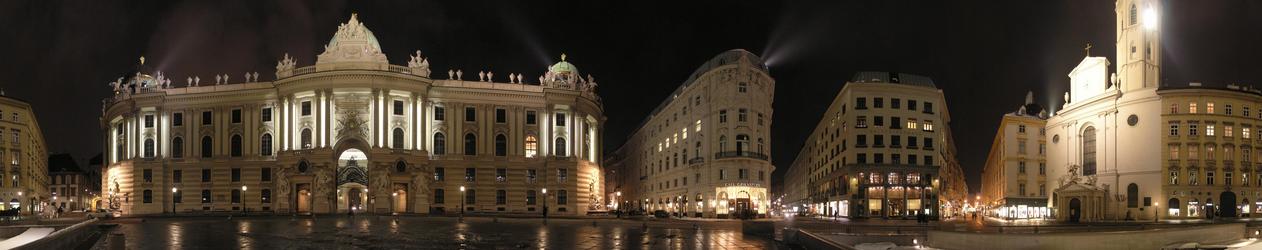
[353,46]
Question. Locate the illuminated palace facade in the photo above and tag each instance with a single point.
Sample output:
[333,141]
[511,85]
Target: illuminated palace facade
[703,152]
[23,158]
[882,150]
[353,133]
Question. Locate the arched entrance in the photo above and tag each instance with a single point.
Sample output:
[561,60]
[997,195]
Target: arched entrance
[1075,210]
[352,181]
[1228,208]
[742,205]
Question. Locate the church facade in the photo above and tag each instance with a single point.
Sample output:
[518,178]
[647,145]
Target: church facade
[354,133]
[1127,146]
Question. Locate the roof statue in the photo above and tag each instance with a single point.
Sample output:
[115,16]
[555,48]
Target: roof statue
[419,65]
[285,67]
[352,47]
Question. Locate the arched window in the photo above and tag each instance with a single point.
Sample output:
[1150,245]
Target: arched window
[236,146]
[470,144]
[560,147]
[440,144]
[265,145]
[742,144]
[177,147]
[397,139]
[1132,195]
[306,138]
[532,146]
[207,147]
[1088,151]
[501,145]
[1135,15]
[265,195]
[401,167]
[149,147]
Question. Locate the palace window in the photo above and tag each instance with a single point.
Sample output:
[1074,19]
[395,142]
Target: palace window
[1227,178]
[1209,178]
[306,108]
[1132,195]
[149,148]
[147,174]
[177,119]
[531,117]
[722,116]
[207,147]
[861,122]
[265,196]
[439,196]
[265,174]
[1209,130]
[470,114]
[1174,108]
[1174,129]
[742,115]
[265,145]
[560,119]
[1209,108]
[440,114]
[501,197]
[1088,151]
[741,87]
[440,174]
[560,148]
[266,115]
[396,140]
[1227,132]
[306,138]
[440,144]
[896,103]
[1227,109]
[236,116]
[236,146]
[206,118]
[470,174]
[398,107]
[177,176]
[501,115]
[1192,108]
[562,197]
[501,145]
[236,175]
[860,103]
[470,144]
[470,197]
[206,196]
[530,197]
[148,196]
[148,121]
[1192,129]
[878,102]
[1174,152]
[1244,133]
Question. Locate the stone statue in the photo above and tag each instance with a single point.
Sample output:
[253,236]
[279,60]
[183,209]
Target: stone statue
[218,79]
[256,76]
[490,76]
[419,65]
[481,76]
[197,80]
[323,181]
[190,82]
[1066,97]
[282,182]
[225,78]
[460,75]
[451,74]
[247,76]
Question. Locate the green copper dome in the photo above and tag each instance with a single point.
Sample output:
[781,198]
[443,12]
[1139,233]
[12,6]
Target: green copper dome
[563,66]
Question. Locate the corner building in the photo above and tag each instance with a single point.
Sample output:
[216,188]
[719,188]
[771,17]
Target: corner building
[1014,181]
[703,152]
[354,133]
[23,158]
[880,151]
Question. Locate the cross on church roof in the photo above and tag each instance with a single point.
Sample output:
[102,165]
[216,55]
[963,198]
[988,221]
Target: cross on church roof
[1087,49]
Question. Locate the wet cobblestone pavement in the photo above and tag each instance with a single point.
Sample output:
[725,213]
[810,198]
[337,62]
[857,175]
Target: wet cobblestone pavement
[386,232]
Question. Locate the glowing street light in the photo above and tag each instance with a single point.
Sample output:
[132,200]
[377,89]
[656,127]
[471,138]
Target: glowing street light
[462,201]
[1150,18]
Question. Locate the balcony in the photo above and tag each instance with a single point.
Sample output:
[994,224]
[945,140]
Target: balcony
[745,154]
[697,160]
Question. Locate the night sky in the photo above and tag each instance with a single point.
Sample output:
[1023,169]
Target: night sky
[985,55]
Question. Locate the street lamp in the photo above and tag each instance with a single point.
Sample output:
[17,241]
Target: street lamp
[244,200]
[462,202]
[545,205]
[1155,209]
[173,191]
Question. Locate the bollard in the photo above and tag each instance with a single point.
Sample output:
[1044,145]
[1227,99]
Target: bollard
[118,242]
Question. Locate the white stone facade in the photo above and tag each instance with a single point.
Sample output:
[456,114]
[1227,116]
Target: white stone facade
[355,133]
[704,152]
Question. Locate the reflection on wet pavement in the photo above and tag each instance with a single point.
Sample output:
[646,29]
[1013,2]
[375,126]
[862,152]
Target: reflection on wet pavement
[386,232]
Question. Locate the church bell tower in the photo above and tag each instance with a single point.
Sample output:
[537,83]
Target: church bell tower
[1138,44]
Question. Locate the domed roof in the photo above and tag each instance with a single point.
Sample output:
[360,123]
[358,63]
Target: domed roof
[353,43]
[355,32]
[563,66]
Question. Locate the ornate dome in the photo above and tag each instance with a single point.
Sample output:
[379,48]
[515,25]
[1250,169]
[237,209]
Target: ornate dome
[353,43]
[563,66]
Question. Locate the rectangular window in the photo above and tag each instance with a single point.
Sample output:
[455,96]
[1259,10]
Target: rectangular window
[1209,108]
[1192,129]
[878,102]
[501,115]
[470,114]
[501,197]
[236,116]
[878,121]
[911,105]
[722,174]
[440,114]
[878,140]
[742,174]
[928,108]
[896,103]
[1192,108]
[560,119]
[470,197]
[1021,167]
[861,158]
[306,108]
[266,115]
[896,123]
[861,122]
[563,174]
[148,174]
[470,174]
[177,119]
[177,176]
[1227,109]
[530,117]
[1209,130]
[928,143]
[398,107]
[860,103]
[878,158]
[759,119]
[501,174]
[206,175]
[1042,168]
[265,174]
[439,174]
[530,175]
[236,174]
[742,115]
[148,121]
[1209,178]
[440,196]
[206,118]
[1174,129]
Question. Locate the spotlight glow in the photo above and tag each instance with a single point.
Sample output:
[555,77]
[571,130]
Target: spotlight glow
[1150,19]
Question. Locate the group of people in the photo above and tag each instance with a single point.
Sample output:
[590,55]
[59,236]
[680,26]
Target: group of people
[51,212]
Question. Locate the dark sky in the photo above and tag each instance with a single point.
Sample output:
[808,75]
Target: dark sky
[985,55]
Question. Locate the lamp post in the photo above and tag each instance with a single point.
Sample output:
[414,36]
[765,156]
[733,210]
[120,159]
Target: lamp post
[244,201]
[1155,209]
[545,205]
[173,191]
[462,202]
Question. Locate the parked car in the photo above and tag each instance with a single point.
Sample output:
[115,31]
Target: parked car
[661,214]
[102,213]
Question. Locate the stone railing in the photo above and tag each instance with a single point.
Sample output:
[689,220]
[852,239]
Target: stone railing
[400,69]
[696,160]
[745,154]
